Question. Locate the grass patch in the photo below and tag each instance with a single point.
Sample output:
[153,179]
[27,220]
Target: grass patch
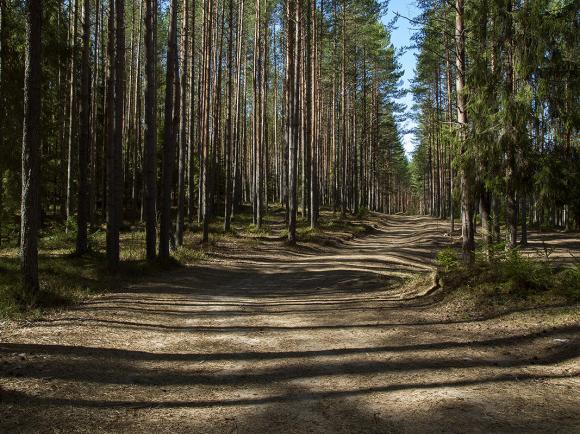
[185,255]
[65,278]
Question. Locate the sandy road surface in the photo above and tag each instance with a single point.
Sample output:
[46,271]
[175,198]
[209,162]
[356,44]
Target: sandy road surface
[279,341]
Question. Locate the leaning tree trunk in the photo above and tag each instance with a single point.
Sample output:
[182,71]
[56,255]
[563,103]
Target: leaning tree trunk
[30,210]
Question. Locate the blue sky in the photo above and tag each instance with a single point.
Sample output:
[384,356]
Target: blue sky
[401,37]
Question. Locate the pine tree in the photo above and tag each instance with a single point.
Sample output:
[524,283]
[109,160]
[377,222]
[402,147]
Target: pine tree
[30,211]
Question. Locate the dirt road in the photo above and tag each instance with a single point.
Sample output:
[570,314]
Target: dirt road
[293,342]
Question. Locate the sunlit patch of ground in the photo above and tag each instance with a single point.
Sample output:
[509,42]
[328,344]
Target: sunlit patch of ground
[319,338]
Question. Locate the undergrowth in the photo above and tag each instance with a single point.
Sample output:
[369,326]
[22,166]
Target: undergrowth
[502,276]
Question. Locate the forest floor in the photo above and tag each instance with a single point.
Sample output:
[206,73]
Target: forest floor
[337,336]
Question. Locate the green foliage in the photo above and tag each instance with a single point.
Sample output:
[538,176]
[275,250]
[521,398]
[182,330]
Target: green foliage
[522,81]
[448,259]
[362,213]
[568,282]
[522,274]
[504,272]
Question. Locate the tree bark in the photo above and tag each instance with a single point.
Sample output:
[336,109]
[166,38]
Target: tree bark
[205,124]
[467,227]
[228,145]
[168,137]
[3,113]
[149,154]
[84,138]
[292,86]
[314,138]
[193,131]
[30,206]
[112,232]
[183,144]
[343,114]
[115,204]
[72,110]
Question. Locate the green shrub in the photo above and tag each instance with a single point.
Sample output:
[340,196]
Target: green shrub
[362,213]
[568,282]
[498,252]
[522,274]
[447,259]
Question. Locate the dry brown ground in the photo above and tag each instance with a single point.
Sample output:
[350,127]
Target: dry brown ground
[294,341]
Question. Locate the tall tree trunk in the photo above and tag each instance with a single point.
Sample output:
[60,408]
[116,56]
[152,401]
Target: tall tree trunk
[72,109]
[115,203]
[228,145]
[3,113]
[84,138]
[168,137]
[510,170]
[305,105]
[343,113]
[467,229]
[94,126]
[183,138]
[448,74]
[30,209]
[112,232]
[335,165]
[524,208]
[314,137]
[205,125]
[149,154]
[240,66]
[193,131]
[293,94]
[485,211]
[496,224]
[256,120]
[263,152]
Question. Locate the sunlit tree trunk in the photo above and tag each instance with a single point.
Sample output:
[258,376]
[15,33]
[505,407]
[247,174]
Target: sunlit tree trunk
[169,137]
[183,137]
[467,229]
[292,86]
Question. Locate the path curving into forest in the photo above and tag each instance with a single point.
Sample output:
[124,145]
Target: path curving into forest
[302,340]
